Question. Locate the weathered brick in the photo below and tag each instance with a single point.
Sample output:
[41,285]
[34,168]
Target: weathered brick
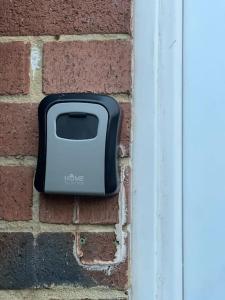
[97,210]
[93,66]
[14,68]
[125,137]
[117,275]
[127,190]
[18,129]
[96,247]
[55,262]
[41,17]
[16,193]
[51,259]
[56,209]
[103,210]
[16,270]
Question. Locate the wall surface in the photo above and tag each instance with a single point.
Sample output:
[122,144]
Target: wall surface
[61,247]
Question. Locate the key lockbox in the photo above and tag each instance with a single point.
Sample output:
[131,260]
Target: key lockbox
[78,143]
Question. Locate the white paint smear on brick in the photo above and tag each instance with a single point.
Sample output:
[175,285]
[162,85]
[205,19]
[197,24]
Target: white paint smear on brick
[35,60]
[121,236]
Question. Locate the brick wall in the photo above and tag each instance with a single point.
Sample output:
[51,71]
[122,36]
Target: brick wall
[61,247]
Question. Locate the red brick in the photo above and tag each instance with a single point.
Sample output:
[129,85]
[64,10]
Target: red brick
[16,189]
[127,187]
[96,247]
[18,129]
[97,210]
[117,277]
[103,210]
[125,130]
[56,209]
[93,66]
[41,17]
[14,68]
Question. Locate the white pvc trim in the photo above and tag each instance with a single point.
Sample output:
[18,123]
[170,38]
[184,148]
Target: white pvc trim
[157,152]
[143,153]
[169,253]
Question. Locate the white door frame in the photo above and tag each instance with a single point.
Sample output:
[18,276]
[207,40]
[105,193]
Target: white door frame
[157,255]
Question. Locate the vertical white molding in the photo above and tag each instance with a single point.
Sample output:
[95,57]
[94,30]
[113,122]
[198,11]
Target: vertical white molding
[143,152]
[157,151]
[169,252]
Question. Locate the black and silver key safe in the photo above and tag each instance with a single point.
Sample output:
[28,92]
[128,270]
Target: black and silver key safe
[78,138]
